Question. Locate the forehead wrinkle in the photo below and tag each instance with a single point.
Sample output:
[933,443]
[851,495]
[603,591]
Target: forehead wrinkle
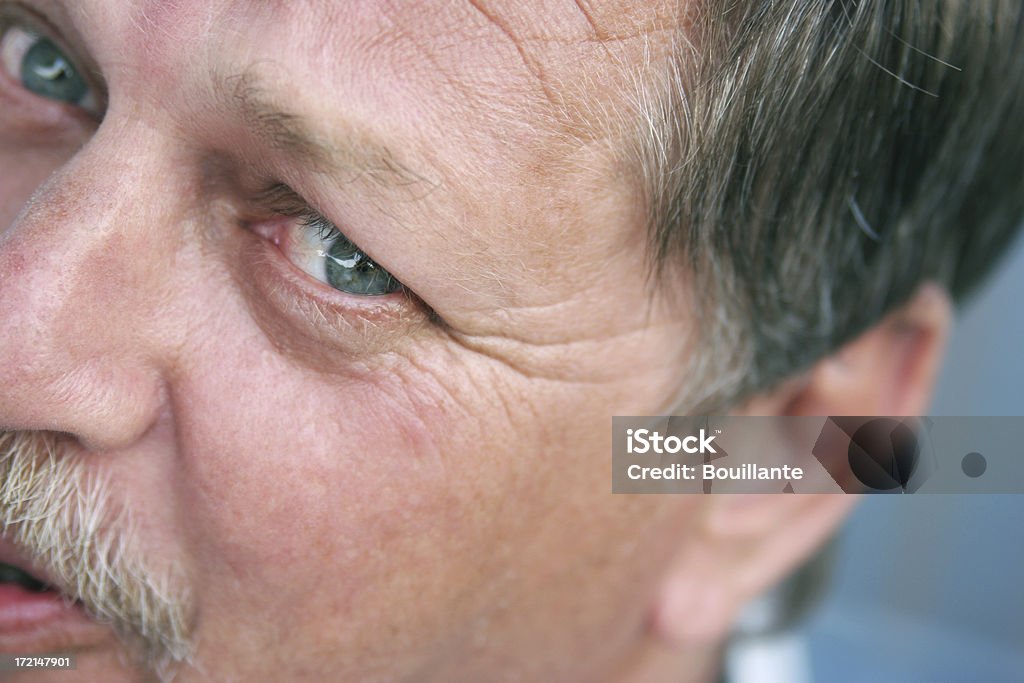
[580,55]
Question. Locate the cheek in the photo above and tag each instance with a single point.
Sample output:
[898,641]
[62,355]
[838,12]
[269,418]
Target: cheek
[372,509]
[283,453]
[329,501]
[33,170]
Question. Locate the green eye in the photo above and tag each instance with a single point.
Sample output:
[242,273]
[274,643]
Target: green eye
[352,271]
[43,68]
[48,73]
[326,254]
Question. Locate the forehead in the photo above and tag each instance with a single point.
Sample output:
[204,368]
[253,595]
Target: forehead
[497,104]
[545,52]
[559,20]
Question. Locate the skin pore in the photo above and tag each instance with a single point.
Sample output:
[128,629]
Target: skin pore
[409,487]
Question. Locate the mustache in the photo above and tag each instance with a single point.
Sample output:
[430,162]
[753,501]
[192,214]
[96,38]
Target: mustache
[58,510]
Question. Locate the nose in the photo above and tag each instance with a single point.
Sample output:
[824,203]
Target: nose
[80,288]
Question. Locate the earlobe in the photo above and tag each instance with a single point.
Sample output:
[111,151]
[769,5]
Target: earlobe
[746,544]
[695,604]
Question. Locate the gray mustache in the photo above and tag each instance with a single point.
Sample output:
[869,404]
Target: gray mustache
[58,510]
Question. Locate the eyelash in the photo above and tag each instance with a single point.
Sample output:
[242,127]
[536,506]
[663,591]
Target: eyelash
[314,220]
[282,200]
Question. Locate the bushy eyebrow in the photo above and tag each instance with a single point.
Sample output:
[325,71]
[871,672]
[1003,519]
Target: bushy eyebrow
[351,150]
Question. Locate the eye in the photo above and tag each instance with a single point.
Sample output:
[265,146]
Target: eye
[43,68]
[318,248]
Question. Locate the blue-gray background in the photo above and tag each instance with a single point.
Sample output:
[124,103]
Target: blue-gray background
[931,588]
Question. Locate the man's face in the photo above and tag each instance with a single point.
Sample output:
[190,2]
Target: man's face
[383,483]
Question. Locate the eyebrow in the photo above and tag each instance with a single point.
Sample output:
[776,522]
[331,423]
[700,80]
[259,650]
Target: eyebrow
[363,153]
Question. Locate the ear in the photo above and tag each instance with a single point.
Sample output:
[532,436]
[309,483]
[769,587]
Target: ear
[888,370]
[745,543]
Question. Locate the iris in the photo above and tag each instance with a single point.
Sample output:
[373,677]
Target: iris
[47,72]
[352,271]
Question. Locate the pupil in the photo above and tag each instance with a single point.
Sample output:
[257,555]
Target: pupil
[46,72]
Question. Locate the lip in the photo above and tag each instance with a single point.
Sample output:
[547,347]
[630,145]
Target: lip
[38,622]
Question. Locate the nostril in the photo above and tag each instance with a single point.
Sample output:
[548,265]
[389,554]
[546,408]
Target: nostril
[102,406]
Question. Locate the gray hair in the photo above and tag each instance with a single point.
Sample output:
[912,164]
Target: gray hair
[809,163]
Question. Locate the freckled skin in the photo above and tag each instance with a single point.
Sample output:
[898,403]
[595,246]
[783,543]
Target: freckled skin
[363,495]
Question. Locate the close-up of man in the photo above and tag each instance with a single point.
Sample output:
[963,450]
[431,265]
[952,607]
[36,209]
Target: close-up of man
[314,316]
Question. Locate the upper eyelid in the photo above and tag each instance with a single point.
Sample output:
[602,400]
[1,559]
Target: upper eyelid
[283,200]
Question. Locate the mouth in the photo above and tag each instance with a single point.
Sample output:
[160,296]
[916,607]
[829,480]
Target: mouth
[36,617]
[10,575]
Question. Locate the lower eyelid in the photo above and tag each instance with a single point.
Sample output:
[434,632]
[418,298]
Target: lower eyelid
[330,337]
